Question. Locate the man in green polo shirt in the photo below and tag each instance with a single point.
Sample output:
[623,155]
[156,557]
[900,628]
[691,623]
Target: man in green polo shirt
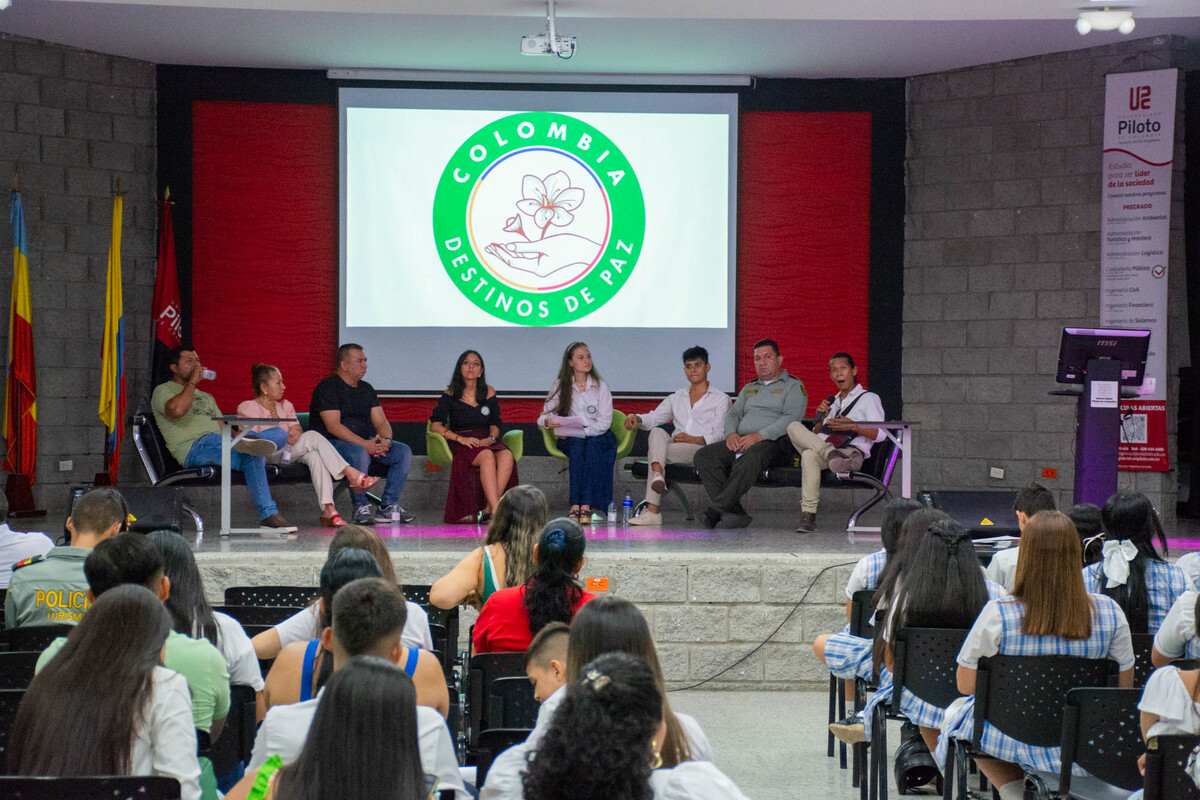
[131,558]
[52,589]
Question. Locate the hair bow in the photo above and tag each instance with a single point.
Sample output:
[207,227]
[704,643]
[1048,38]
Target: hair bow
[1117,555]
[596,680]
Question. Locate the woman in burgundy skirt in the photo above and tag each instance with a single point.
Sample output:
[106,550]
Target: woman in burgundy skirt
[468,415]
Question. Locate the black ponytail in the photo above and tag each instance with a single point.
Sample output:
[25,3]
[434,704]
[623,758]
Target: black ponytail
[1131,515]
[553,590]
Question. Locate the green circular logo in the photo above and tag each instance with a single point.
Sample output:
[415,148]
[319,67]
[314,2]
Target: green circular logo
[539,218]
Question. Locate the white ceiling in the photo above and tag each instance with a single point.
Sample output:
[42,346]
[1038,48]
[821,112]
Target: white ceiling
[769,38]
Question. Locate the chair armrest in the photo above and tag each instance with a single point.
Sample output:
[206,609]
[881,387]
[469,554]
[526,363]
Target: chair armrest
[514,440]
[437,448]
[551,443]
[625,436]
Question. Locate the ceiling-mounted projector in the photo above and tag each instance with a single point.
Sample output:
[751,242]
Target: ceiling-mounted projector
[548,43]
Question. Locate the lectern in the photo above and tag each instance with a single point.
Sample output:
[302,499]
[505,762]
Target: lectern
[1110,363]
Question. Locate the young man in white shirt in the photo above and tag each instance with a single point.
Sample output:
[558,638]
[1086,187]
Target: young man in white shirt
[697,413]
[839,441]
[368,618]
[18,546]
[1003,567]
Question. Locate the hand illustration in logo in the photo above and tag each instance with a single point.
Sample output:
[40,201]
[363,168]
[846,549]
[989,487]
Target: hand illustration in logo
[545,203]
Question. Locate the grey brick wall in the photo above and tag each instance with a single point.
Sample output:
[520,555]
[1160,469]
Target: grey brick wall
[1002,249]
[71,123]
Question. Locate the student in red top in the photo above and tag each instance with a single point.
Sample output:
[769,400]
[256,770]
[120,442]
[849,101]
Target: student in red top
[511,617]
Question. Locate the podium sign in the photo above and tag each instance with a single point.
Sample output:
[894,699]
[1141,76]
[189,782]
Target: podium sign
[1135,227]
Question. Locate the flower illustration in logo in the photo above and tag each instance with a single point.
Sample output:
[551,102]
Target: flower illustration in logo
[546,203]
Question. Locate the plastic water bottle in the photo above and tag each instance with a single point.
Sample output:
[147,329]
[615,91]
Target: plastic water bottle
[626,509]
[612,513]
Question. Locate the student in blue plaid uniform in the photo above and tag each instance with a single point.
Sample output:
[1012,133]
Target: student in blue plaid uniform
[1177,636]
[850,656]
[1050,613]
[1131,571]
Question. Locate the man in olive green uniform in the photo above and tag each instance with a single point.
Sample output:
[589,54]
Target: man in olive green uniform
[755,437]
[52,589]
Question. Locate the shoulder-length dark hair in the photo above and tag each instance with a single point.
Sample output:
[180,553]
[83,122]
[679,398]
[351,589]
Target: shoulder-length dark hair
[553,590]
[81,712]
[1131,515]
[189,608]
[458,385]
[943,586]
[615,625]
[516,526]
[598,745]
[363,741]
[566,379]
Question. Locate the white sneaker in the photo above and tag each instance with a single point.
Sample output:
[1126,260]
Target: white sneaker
[647,518]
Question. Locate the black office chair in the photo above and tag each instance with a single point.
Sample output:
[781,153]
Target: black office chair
[1166,768]
[98,788]
[1101,733]
[16,668]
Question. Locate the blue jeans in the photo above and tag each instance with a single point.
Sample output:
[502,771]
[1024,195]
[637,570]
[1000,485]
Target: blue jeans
[397,458]
[590,461]
[207,450]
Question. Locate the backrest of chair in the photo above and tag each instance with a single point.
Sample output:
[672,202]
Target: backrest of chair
[152,448]
[418,593]
[511,703]
[294,596]
[1023,696]
[1143,667]
[16,668]
[483,670]
[1101,733]
[926,663]
[492,743]
[862,607]
[882,461]
[1166,768]
[34,637]
[259,615]
[10,700]
[99,788]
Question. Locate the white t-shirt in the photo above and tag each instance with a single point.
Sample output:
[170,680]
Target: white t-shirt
[1003,567]
[305,625]
[1190,564]
[1167,698]
[694,780]
[285,728]
[240,658]
[983,641]
[17,546]
[1178,628]
[167,745]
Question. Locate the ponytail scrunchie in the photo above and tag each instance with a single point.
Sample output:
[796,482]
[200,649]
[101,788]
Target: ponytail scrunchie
[556,540]
[1117,555]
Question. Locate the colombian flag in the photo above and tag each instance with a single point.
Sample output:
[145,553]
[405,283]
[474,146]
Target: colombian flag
[112,350]
[20,396]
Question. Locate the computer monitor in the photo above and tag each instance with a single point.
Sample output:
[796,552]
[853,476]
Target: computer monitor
[1080,345]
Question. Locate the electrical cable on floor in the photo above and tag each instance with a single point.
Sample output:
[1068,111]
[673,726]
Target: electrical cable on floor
[771,636]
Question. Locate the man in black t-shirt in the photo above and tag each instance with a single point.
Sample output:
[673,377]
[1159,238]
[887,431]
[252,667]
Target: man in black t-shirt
[346,410]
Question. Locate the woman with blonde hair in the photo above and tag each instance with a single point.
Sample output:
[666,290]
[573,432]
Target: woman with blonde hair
[325,464]
[504,560]
[1049,613]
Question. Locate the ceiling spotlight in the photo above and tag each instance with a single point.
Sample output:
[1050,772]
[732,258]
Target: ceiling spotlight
[1105,19]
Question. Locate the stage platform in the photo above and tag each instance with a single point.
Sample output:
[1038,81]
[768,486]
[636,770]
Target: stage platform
[714,598]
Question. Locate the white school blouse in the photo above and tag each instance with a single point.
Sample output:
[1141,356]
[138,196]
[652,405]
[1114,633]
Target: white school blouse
[305,625]
[593,405]
[1167,698]
[166,744]
[706,418]
[240,658]
[1176,637]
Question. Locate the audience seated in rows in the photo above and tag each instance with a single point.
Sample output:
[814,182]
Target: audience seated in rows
[361,743]
[325,464]
[1131,571]
[504,560]
[849,657]
[511,617]
[302,668]
[605,740]
[1049,613]
[368,617]
[1029,501]
[193,616]
[304,626]
[17,546]
[52,590]
[105,705]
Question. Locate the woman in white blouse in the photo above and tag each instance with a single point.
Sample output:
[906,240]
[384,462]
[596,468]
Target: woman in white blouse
[105,705]
[579,412]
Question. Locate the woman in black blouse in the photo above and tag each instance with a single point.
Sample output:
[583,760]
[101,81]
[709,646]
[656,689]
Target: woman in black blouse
[468,415]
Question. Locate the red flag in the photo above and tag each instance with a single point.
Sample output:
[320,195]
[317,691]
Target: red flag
[167,312]
[20,395]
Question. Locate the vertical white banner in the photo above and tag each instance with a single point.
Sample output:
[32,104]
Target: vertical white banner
[1135,228]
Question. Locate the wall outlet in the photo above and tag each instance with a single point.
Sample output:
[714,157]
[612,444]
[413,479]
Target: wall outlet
[66,466]
[996,472]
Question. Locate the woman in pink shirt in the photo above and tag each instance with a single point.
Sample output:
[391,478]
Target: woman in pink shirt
[324,463]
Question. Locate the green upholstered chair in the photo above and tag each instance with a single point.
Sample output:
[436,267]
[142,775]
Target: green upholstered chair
[438,449]
[625,438]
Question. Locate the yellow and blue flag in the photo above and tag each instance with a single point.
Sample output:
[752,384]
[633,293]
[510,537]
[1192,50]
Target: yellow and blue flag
[20,395]
[112,350]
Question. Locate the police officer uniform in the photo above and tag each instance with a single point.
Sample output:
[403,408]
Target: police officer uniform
[48,590]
